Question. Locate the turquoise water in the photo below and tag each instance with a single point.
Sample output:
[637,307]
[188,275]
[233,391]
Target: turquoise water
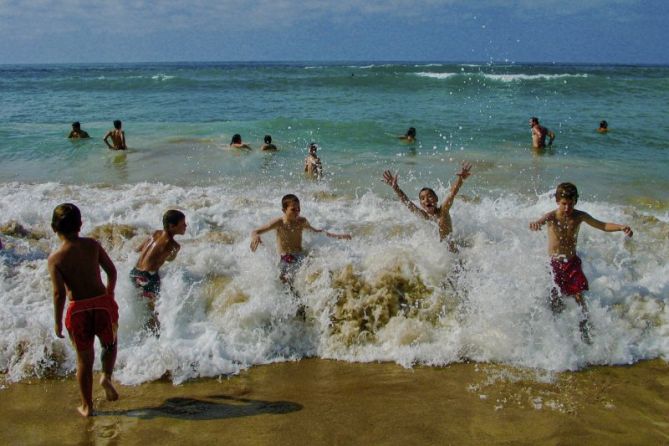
[178,119]
[392,293]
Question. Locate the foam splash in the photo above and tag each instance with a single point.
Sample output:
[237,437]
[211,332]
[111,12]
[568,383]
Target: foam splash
[393,293]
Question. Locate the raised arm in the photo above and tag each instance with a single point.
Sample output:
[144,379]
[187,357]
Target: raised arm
[536,225]
[607,227]
[255,234]
[462,175]
[59,295]
[391,180]
[108,267]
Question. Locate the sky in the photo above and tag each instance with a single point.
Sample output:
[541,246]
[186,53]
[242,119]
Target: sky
[576,31]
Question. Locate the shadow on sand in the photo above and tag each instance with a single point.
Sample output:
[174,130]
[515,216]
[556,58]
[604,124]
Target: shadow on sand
[194,409]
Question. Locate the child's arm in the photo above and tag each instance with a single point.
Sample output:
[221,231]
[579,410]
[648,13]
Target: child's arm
[173,250]
[59,295]
[125,146]
[106,138]
[255,234]
[536,225]
[108,267]
[462,176]
[607,227]
[392,182]
[329,234]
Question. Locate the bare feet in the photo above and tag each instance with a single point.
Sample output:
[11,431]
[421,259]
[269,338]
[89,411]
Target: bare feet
[110,391]
[85,410]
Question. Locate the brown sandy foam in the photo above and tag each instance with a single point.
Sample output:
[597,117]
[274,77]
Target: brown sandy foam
[328,402]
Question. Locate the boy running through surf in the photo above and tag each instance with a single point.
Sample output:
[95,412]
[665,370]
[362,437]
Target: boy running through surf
[75,272]
[563,225]
[154,252]
[289,228]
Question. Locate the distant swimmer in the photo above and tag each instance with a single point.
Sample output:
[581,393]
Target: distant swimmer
[77,132]
[539,134]
[563,225]
[428,201]
[236,142]
[92,312]
[268,146]
[289,228]
[154,252]
[312,163]
[117,136]
[603,127]
[409,136]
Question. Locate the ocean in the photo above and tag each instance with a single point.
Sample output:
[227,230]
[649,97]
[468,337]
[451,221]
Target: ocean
[393,293]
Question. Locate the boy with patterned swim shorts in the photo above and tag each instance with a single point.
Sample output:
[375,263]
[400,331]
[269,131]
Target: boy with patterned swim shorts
[563,225]
[154,252]
[75,271]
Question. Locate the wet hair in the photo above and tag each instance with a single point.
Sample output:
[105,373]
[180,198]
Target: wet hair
[236,139]
[603,124]
[76,125]
[172,218]
[411,132]
[287,199]
[66,219]
[566,190]
[427,189]
[268,139]
[534,120]
[117,124]
[313,145]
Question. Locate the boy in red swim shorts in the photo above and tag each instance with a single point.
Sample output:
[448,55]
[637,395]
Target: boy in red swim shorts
[75,271]
[563,225]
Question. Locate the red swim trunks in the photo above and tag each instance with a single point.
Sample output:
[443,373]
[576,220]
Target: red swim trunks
[568,275]
[87,318]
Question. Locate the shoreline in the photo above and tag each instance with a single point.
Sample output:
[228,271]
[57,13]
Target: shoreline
[320,401]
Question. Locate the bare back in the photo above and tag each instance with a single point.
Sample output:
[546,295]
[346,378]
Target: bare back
[118,139]
[157,250]
[539,136]
[77,264]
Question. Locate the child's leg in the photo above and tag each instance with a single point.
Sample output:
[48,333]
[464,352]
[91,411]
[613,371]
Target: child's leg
[556,302]
[85,360]
[108,360]
[584,325]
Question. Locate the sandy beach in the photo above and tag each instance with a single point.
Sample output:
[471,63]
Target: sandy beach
[330,402]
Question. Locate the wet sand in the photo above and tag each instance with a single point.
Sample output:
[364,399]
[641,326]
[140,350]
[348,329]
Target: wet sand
[329,402]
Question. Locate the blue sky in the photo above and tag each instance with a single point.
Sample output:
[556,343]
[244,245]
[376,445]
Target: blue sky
[598,31]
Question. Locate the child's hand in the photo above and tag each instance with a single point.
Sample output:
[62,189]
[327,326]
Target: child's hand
[627,230]
[464,170]
[255,241]
[59,329]
[390,179]
[535,226]
[344,237]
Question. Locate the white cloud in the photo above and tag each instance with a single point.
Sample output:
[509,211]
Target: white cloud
[138,17]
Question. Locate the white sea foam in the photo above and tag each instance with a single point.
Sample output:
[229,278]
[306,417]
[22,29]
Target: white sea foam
[530,77]
[393,293]
[503,77]
[437,75]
